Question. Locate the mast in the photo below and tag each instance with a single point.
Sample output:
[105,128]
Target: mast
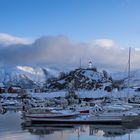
[129,61]
[80,63]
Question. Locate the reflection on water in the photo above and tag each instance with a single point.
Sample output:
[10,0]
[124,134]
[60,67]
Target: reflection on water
[45,129]
[111,130]
[14,128]
[92,130]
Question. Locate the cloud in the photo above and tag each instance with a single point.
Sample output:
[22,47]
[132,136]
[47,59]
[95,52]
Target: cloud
[107,43]
[60,51]
[7,39]
[137,49]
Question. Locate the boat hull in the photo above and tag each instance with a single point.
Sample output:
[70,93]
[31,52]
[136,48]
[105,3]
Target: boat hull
[87,119]
[74,121]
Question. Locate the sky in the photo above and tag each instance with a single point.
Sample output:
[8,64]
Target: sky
[51,32]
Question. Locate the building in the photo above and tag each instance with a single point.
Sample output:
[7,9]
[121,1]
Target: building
[14,89]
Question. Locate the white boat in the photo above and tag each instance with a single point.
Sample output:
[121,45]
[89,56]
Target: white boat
[96,115]
[113,113]
[51,114]
[11,104]
[89,119]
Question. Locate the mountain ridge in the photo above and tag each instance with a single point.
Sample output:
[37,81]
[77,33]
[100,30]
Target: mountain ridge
[78,79]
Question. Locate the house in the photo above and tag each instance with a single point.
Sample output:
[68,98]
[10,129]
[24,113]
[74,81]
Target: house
[14,89]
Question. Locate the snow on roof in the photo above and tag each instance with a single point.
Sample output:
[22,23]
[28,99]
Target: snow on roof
[15,88]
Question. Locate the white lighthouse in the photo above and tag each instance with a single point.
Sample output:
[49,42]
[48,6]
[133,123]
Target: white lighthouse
[90,64]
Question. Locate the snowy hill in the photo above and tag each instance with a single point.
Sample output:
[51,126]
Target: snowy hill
[25,76]
[80,79]
[134,78]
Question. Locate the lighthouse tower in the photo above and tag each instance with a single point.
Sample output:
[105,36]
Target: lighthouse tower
[90,64]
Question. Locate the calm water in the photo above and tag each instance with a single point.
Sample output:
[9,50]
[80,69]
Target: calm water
[12,127]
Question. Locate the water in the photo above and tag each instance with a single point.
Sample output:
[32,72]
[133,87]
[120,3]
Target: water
[12,127]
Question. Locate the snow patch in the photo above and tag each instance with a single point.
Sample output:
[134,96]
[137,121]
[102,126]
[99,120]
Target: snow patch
[26,69]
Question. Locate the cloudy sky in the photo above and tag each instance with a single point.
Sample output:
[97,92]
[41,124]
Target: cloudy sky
[61,32]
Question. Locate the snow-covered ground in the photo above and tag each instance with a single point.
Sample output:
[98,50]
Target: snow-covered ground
[89,94]
[101,93]
[11,95]
[81,94]
[48,95]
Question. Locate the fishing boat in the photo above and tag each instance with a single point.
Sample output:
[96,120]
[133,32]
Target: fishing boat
[51,114]
[89,119]
[96,115]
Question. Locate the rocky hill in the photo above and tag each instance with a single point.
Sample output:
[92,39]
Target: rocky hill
[88,79]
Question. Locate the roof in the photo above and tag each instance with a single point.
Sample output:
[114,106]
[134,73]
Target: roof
[15,88]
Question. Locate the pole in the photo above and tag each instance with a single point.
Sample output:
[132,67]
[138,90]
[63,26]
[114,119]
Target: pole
[80,62]
[129,61]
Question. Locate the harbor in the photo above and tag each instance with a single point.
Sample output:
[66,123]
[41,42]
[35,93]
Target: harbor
[15,128]
[70,114]
[72,109]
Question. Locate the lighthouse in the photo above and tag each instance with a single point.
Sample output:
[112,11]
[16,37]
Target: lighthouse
[90,64]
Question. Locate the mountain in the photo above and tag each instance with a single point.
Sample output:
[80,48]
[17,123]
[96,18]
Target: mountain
[54,79]
[25,76]
[134,80]
[81,78]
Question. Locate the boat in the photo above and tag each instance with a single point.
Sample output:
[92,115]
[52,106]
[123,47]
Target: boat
[11,104]
[96,116]
[90,119]
[81,108]
[50,114]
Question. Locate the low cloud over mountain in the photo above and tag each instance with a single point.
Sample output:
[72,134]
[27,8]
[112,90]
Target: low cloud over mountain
[59,50]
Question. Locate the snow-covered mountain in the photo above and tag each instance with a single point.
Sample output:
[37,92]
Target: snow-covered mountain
[58,79]
[134,80]
[25,75]
[81,78]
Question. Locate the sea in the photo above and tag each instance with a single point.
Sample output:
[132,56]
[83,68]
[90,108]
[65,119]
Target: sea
[14,127]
